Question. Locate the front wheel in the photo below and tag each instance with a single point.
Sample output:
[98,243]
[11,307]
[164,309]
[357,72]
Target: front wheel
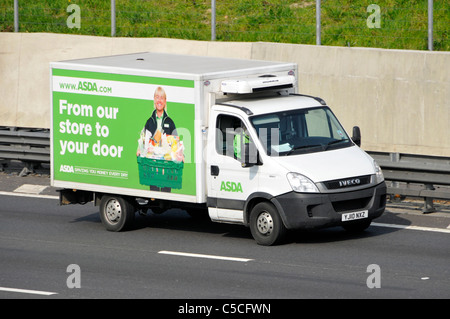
[266,225]
[116,213]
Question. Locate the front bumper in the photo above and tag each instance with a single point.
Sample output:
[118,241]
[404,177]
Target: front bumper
[308,211]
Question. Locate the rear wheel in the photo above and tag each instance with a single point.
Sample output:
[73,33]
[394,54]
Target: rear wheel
[266,225]
[116,213]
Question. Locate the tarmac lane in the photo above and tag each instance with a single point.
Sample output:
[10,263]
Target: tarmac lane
[52,251]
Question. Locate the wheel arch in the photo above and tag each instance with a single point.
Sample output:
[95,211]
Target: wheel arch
[257,198]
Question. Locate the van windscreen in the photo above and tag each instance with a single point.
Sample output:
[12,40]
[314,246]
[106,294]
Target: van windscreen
[300,131]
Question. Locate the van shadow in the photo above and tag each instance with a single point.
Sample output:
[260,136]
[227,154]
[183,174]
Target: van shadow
[179,220]
[174,219]
[336,234]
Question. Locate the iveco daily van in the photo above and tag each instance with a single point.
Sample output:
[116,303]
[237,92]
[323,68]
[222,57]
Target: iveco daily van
[232,138]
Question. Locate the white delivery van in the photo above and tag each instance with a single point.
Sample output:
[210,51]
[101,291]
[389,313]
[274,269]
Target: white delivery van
[231,138]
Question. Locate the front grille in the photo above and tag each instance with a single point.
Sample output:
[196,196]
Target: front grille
[347,182]
[352,204]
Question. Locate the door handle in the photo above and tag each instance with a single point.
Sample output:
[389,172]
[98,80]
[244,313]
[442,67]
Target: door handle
[214,170]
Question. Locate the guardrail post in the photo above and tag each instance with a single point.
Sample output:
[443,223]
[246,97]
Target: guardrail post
[213,20]
[430,25]
[113,18]
[428,206]
[395,158]
[16,15]
[318,31]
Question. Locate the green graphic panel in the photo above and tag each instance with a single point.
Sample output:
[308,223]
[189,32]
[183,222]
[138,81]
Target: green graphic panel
[96,139]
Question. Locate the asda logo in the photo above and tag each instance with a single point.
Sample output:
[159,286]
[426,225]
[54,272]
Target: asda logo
[87,86]
[66,169]
[231,187]
[92,87]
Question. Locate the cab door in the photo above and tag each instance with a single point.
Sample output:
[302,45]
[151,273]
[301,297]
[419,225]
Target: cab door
[229,183]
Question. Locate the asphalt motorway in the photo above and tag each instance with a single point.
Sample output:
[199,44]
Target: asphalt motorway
[50,251]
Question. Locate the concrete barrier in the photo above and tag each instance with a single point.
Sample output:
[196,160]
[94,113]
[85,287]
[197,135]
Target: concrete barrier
[399,98]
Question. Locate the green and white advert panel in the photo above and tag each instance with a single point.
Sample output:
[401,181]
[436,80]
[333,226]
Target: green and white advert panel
[126,131]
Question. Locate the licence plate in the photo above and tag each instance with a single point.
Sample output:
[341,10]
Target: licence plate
[355,215]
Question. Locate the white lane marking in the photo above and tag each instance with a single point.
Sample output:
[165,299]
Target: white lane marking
[27,291]
[29,195]
[439,230]
[178,253]
[30,189]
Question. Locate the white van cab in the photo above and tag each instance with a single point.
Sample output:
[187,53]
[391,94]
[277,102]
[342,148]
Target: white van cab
[301,170]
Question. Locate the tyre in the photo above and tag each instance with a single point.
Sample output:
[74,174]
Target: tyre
[116,213]
[266,225]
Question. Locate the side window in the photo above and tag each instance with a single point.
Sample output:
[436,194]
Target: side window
[226,129]
[320,123]
[317,123]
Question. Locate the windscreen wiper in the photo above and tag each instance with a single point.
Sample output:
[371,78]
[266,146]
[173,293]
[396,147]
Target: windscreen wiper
[302,147]
[335,142]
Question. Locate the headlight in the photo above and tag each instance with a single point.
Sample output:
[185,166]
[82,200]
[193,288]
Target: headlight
[379,177]
[301,184]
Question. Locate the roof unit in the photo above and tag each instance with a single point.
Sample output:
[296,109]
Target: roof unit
[262,83]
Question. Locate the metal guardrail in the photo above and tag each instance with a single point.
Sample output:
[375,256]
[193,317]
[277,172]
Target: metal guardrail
[416,175]
[422,176]
[31,146]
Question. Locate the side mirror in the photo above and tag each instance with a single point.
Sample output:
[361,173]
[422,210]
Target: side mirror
[250,155]
[356,135]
